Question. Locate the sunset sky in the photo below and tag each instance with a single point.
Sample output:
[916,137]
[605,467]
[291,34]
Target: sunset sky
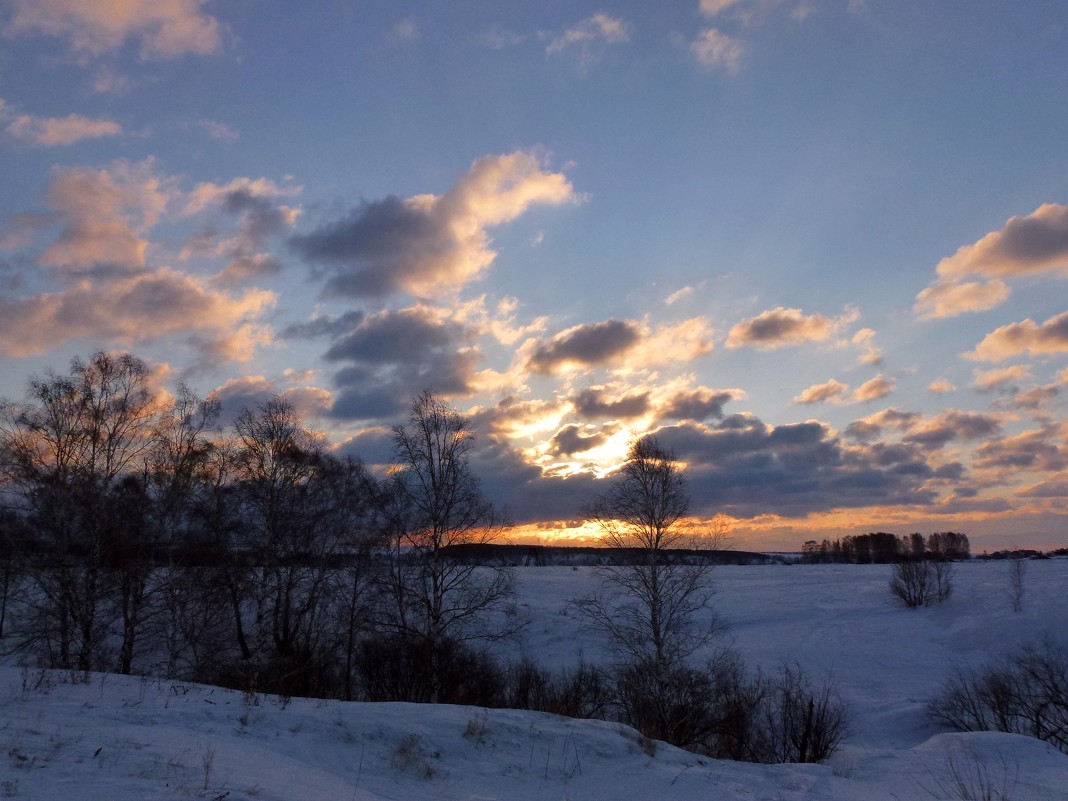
[819,246]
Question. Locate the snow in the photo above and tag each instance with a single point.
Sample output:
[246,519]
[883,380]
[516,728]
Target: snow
[116,738]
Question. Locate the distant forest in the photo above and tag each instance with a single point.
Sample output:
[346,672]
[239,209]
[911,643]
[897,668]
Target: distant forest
[881,548]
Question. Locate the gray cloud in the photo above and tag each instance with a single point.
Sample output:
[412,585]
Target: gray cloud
[584,345]
[427,242]
[697,405]
[571,439]
[596,403]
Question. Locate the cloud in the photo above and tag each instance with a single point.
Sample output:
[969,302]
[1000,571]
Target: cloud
[711,8]
[1036,397]
[712,49]
[1032,244]
[745,467]
[781,327]
[865,338]
[873,389]
[391,355]
[250,392]
[587,345]
[137,309]
[1026,245]
[991,380]
[1036,449]
[164,29]
[572,439]
[952,424]
[57,131]
[105,213]
[590,37]
[831,391]
[260,217]
[1026,336]
[948,298]
[428,242]
[696,405]
[868,428]
[219,130]
[596,403]
[941,386]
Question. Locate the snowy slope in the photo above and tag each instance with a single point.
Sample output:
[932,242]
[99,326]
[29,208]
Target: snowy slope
[118,738]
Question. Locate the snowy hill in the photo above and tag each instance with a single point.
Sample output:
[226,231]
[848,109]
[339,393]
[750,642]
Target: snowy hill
[119,738]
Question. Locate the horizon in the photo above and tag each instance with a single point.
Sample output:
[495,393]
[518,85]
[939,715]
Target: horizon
[817,247]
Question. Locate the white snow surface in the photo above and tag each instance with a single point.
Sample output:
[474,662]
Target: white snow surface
[116,737]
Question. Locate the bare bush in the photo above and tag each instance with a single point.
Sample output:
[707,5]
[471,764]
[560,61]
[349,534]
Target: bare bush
[1026,693]
[913,583]
[803,721]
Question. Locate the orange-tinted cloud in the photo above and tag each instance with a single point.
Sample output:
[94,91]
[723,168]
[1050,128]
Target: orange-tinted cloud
[105,213]
[832,391]
[56,131]
[991,380]
[713,48]
[948,298]
[136,309]
[164,29]
[1026,245]
[1026,336]
[873,389]
[781,327]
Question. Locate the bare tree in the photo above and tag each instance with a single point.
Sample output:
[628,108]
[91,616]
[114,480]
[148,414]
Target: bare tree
[650,602]
[67,451]
[435,506]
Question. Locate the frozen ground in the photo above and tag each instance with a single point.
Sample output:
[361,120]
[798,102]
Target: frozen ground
[126,738]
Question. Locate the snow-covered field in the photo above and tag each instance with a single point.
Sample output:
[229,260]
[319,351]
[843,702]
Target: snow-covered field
[121,738]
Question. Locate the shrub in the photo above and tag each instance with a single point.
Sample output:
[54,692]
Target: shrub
[1025,693]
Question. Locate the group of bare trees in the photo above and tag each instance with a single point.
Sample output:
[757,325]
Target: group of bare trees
[137,535]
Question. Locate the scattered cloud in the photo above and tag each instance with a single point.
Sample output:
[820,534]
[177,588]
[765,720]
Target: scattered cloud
[389,356]
[55,131]
[406,30]
[713,48]
[831,391]
[138,309]
[865,339]
[1026,336]
[1036,449]
[590,37]
[951,424]
[991,380]
[1025,245]
[218,130]
[597,403]
[572,439]
[781,327]
[873,389]
[948,298]
[678,295]
[105,214]
[1031,244]
[430,242]
[711,8]
[163,30]
[582,346]
[941,386]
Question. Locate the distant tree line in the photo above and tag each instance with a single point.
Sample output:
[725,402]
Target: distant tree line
[882,548]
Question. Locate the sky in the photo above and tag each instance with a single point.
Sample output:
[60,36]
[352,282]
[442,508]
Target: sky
[818,247]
